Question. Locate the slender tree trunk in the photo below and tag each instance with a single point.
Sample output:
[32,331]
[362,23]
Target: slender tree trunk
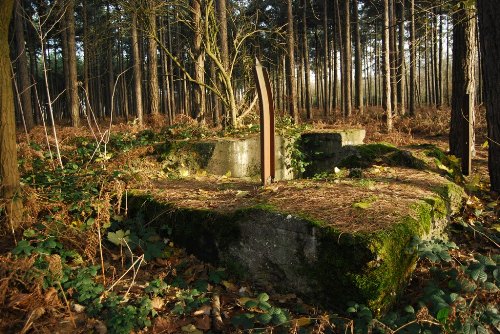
[137,69]
[86,58]
[223,40]
[22,68]
[358,80]
[413,58]
[74,104]
[401,58]
[326,104]
[199,66]
[463,73]
[387,67]
[435,60]
[9,174]
[292,87]
[347,60]
[307,65]
[393,56]
[153,85]
[489,32]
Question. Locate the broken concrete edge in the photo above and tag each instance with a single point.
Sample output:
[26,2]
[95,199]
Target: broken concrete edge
[370,268]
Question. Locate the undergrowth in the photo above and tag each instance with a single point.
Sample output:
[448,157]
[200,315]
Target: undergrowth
[83,265]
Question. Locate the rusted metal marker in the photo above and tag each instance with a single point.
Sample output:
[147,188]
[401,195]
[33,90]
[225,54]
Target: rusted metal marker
[267,155]
[468,133]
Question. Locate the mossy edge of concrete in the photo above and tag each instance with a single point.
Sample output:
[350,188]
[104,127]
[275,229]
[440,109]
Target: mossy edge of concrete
[371,268]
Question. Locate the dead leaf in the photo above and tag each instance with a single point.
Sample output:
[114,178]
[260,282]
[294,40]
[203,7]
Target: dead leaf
[205,309]
[230,286]
[301,322]
[157,303]
[243,300]
[191,329]
[203,323]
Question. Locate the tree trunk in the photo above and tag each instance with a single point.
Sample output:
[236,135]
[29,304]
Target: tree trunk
[463,75]
[326,94]
[292,87]
[489,32]
[137,69]
[153,86]
[358,80]
[22,68]
[347,60]
[413,59]
[401,58]
[9,174]
[199,66]
[387,68]
[74,104]
[223,40]
[307,65]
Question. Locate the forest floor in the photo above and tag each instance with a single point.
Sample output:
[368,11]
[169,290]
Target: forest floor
[70,270]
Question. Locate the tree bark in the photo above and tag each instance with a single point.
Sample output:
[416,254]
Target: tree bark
[401,58]
[223,40]
[347,60]
[307,65]
[463,74]
[9,173]
[489,32]
[358,80]
[387,68]
[153,84]
[24,82]
[291,81]
[199,66]
[74,104]
[326,104]
[137,69]
[413,59]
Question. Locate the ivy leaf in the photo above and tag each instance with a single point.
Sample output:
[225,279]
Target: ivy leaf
[243,321]
[23,247]
[264,318]
[491,287]
[251,304]
[263,297]
[119,238]
[409,309]
[443,314]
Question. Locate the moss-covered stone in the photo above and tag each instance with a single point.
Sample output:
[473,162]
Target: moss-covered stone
[304,255]
[364,156]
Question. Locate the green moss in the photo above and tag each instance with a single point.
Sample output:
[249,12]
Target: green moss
[381,153]
[368,268]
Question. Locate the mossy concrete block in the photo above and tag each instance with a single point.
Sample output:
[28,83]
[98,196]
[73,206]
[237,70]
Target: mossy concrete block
[237,157]
[325,149]
[297,254]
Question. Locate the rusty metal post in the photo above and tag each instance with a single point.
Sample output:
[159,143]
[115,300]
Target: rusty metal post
[468,133]
[267,154]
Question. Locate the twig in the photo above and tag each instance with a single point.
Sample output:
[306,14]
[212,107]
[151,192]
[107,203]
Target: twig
[140,258]
[67,304]
[217,319]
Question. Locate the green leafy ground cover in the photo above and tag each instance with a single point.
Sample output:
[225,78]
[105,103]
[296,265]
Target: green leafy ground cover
[82,265]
